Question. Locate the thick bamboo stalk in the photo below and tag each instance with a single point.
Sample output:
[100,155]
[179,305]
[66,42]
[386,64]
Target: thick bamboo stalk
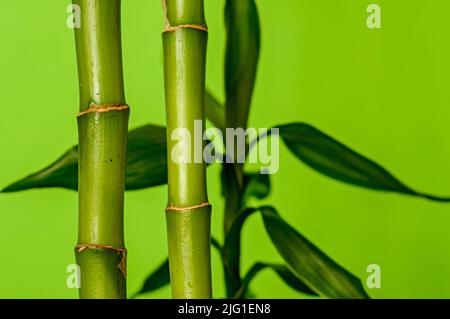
[188,212]
[102,128]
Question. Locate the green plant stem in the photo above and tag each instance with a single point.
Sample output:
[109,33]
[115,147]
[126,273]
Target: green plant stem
[101,252]
[188,226]
[233,204]
[241,60]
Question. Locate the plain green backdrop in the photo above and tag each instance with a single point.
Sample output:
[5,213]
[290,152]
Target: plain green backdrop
[384,92]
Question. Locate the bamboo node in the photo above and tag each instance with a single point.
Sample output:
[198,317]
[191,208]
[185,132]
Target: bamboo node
[103,108]
[169,28]
[120,251]
[173,208]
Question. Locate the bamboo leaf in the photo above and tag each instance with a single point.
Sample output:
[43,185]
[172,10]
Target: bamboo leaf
[146,157]
[315,268]
[157,279]
[242,53]
[333,159]
[257,185]
[146,164]
[282,271]
[216,244]
[214,111]
[62,173]
[233,237]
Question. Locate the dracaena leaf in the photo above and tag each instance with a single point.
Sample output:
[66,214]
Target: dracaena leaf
[256,185]
[319,272]
[233,237]
[214,111]
[216,244]
[282,271]
[159,278]
[145,167]
[242,53]
[333,159]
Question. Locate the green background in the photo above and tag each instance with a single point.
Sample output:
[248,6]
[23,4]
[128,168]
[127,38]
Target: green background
[383,92]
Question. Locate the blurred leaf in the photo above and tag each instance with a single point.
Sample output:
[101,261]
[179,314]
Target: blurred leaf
[242,53]
[309,263]
[282,271]
[231,251]
[232,240]
[256,185]
[146,157]
[333,159]
[146,164]
[215,243]
[214,110]
[157,279]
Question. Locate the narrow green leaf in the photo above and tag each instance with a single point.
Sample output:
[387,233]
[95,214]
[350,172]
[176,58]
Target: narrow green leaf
[214,111]
[231,249]
[62,173]
[242,54]
[282,271]
[157,279]
[146,157]
[215,243]
[333,159]
[256,185]
[315,268]
[292,280]
[146,164]
[233,238]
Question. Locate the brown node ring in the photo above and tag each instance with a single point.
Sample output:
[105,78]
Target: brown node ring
[173,208]
[103,108]
[169,28]
[120,251]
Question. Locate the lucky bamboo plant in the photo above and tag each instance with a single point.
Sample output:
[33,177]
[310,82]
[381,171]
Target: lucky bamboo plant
[103,128]
[188,212]
[149,162]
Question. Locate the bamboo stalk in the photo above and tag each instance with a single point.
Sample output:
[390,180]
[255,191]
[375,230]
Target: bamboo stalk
[188,212]
[102,130]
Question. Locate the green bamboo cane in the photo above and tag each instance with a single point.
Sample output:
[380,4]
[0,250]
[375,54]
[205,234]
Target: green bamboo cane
[102,130]
[188,212]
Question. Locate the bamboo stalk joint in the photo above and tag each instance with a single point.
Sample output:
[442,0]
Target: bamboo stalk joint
[120,251]
[103,108]
[173,208]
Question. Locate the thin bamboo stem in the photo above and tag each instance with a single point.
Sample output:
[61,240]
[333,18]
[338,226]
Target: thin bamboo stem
[102,129]
[188,214]
[242,52]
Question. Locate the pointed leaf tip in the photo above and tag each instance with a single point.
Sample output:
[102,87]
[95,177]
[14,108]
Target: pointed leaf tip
[308,262]
[159,278]
[145,167]
[282,271]
[329,157]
